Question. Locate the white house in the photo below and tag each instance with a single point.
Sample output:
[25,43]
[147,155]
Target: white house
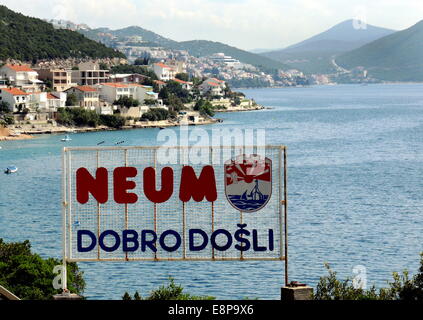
[185,84]
[87,96]
[164,72]
[17,99]
[21,76]
[111,92]
[212,86]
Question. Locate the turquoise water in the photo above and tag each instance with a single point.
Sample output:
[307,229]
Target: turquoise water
[355,191]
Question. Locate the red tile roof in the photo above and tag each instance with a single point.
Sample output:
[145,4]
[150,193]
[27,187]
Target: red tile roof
[159,82]
[181,81]
[86,89]
[51,97]
[115,85]
[162,65]
[18,68]
[213,83]
[15,91]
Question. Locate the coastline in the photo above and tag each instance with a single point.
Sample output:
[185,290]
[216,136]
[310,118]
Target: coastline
[26,132]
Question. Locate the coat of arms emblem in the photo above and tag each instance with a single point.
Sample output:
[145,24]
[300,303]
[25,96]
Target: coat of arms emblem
[248,182]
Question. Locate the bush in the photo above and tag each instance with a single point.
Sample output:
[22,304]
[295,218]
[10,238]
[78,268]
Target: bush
[204,107]
[402,288]
[169,292]
[29,276]
[78,117]
[113,121]
[128,102]
[156,114]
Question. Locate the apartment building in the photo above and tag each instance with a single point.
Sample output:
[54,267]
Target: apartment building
[89,74]
[61,79]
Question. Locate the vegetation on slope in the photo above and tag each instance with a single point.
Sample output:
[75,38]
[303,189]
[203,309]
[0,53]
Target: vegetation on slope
[397,57]
[30,39]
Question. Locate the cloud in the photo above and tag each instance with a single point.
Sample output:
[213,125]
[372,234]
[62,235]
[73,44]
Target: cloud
[243,23]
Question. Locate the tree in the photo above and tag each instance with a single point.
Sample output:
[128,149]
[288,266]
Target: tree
[126,101]
[150,102]
[402,288]
[156,114]
[204,107]
[182,76]
[113,121]
[6,117]
[170,292]
[71,100]
[29,276]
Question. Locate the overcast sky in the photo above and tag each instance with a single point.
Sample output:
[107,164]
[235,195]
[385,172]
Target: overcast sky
[247,24]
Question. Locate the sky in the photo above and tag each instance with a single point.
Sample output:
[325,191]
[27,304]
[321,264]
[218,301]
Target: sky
[246,24]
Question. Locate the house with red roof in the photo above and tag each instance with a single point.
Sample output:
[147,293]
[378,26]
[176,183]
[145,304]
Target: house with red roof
[185,84]
[212,86]
[164,72]
[17,99]
[21,76]
[87,96]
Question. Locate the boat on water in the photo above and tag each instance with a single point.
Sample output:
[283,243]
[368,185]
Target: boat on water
[66,138]
[255,194]
[10,170]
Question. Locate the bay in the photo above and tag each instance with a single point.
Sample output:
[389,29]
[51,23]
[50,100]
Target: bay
[355,156]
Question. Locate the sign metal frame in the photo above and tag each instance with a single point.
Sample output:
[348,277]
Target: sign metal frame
[67,209]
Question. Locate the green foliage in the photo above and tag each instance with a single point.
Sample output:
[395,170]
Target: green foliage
[113,121]
[128,102]
[29,276]
[31,39]
[174,88]
[396,57]
[6,116]
[79,117]
[156,114]
[150,102]
[402,288]
[204,107]
[169,292]
[71,100]
[182,76]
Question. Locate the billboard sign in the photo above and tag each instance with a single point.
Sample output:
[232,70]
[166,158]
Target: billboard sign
[155,204]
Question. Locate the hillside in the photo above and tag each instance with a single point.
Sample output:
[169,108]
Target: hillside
[201,48]
[29,39]
[197,48]
[314,55]
[147,35]
[397,57]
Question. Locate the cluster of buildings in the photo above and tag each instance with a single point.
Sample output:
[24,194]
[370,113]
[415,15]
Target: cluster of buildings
[37,94]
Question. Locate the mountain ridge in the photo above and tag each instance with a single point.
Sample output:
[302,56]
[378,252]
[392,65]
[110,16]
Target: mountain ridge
[314,54]
[396,57]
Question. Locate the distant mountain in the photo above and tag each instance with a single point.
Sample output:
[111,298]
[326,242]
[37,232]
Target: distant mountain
[28,39]
[197,48]
[314,55]
[396,57]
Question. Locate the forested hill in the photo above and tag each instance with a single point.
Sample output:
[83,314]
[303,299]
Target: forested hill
[30,39]
[396,57]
